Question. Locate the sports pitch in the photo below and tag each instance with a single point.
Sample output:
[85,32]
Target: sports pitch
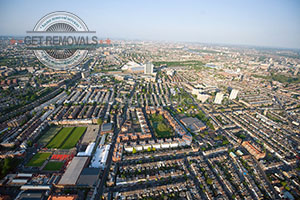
[66,138]
[53,166]
[38,159]
[49,135]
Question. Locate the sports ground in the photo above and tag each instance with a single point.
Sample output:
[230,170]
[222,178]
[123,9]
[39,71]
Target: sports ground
[38,159]
[66,138]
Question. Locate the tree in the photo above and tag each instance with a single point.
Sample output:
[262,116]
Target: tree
[162,127]
[29,143]
[68,92]
[99,121]
[8,165]
[134,151]
[210,125]
[225,142]
[209,181]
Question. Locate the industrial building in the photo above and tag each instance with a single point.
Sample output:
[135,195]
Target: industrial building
[100,157]
[73,171]
[193,123]
[88,151]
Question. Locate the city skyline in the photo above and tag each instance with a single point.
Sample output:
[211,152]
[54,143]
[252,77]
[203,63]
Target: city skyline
[255,23]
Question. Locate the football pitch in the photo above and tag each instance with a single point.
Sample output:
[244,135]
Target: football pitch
[53,166]
[38,159]
[49,135]
[66,138]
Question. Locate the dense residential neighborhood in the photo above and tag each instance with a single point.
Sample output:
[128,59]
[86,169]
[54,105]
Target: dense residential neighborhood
[203,122]
[150,100]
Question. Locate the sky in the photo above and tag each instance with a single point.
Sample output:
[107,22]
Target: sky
[268,23]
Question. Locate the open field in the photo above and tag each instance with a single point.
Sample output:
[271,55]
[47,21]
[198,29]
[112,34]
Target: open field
[38,159]
[49,135]
[53,166]
[59,139]
[73,138]
[161,129]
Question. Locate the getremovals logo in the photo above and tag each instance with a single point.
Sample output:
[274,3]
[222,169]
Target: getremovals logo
[60,40]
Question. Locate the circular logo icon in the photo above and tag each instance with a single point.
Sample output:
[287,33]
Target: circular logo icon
[59,54]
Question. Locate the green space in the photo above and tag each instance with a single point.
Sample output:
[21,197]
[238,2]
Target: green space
[183,98]
[53,166]
[209,181]
[38,159]
[45,139]
[279,77]
[179,63]
[221,138]
[66,138]
[241,134]
[219,118]
[161,129]
[8,164]
[272,117]
[73,138]
[59,139]
[205,51]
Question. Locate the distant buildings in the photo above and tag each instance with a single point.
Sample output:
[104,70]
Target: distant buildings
[148,68]
[170,72]
[133,67]
[233,94]
[202,97]
[296,71]
[219,98]
[6,71]
[17,121]
[84,74]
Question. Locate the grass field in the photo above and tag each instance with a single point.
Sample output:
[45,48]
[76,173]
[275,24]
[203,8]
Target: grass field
[59,139]
[53,166]
[73,138]
[161,129]
[45,139]
[38,159]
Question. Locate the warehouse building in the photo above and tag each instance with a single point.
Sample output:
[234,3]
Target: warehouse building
[72,173]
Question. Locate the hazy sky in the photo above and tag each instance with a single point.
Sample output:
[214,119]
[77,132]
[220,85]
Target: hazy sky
[249,22]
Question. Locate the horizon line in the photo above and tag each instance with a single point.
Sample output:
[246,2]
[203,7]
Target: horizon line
[173,41]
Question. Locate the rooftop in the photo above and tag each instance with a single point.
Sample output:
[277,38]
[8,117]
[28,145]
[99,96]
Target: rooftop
[73,171]
[106,127]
